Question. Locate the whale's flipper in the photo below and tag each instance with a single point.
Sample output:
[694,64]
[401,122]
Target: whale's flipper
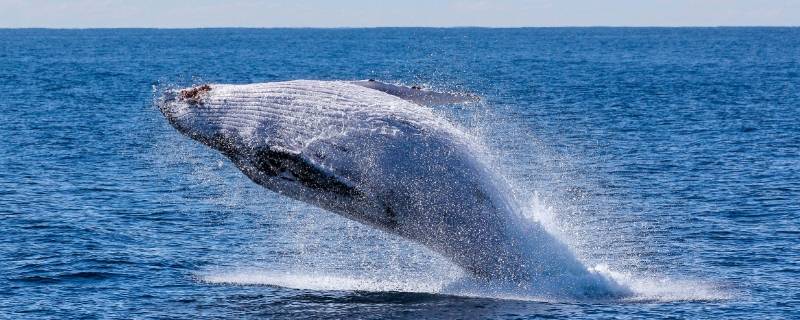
[295,167]
[418,95]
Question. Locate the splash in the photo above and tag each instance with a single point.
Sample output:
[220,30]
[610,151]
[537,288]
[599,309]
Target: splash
[410,268]
[407,267]
[664,289]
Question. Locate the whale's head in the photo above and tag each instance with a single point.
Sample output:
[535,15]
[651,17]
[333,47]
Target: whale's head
[247,132]
[187,111]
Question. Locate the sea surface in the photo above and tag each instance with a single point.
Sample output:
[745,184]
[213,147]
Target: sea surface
[668,158]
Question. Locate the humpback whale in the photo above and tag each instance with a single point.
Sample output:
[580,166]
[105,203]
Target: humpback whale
[378,154]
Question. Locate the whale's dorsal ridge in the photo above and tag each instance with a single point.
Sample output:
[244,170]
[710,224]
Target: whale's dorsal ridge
[417,94]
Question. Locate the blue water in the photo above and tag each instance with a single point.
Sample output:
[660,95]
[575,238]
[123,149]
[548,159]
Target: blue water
[668,157]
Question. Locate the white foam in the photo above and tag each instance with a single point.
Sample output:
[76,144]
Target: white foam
[644,289]
[665,289]
[321,282]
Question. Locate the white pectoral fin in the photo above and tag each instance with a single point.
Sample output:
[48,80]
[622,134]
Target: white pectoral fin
[418,95]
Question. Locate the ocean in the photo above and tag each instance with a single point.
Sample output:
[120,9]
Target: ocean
[668,158]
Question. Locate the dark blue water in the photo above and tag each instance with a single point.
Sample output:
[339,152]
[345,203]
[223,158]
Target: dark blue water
[669,156]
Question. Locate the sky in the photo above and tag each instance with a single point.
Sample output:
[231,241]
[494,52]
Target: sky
[400,13]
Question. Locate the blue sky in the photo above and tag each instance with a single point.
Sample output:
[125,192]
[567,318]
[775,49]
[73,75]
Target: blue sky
[353,13]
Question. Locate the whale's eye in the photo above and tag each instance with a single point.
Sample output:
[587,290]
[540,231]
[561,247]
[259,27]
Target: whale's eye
[193,95]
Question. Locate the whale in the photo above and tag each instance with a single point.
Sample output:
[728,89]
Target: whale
[379,154]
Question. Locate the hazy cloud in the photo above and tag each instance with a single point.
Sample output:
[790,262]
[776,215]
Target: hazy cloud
[351,13]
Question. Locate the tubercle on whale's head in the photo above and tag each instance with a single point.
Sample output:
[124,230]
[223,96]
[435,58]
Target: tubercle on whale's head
[194,95]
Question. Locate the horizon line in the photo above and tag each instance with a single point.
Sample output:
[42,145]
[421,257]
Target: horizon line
[406,27]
